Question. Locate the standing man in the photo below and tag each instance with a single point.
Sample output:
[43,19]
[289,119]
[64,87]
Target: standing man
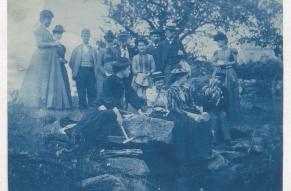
[83,63]
[172,50]
[106,56]
[124,49]
[154,48]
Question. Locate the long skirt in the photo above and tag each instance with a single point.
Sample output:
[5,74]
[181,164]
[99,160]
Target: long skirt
[67,83]
[43,85]
[231,84]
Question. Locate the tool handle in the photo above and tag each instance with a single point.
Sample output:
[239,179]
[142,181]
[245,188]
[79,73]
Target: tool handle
[123,131]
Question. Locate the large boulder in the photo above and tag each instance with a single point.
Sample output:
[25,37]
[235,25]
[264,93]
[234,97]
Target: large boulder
[147,129]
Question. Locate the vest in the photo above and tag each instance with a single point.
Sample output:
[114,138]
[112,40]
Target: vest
[86,59]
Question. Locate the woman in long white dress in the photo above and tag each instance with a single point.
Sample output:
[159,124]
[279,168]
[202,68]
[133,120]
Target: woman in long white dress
[43,85]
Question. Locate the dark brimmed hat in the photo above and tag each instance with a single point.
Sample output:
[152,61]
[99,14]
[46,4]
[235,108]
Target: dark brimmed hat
[142,39]
[109,36]
[156,31]
[182,68]
[123,36]
[46,14]
[121,63]
[58,29]
[220,36]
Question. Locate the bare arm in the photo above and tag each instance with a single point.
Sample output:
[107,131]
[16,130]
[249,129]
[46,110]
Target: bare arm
[214,59]
[234,56]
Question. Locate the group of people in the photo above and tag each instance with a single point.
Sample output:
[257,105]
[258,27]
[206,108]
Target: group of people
[119,75]
[46,83]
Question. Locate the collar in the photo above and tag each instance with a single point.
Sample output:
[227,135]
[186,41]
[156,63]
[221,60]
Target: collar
[118,77]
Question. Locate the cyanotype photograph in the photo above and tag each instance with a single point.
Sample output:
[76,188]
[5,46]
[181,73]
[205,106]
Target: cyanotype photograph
[145,95]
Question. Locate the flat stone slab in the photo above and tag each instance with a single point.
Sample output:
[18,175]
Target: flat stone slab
[146,129]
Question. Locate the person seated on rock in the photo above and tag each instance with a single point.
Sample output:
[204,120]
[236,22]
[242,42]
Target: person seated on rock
[191,142]
[155,95]
[181,73]
[117,90]
[216,104]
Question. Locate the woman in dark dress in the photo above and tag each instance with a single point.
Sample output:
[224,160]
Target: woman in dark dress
[191,142]
[61,51]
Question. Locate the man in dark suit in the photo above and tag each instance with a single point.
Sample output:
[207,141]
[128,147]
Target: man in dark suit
[83,63]
[154,48]
[172,50]
[124,50]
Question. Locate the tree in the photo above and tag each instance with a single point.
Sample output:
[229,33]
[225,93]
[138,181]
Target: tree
[190,15]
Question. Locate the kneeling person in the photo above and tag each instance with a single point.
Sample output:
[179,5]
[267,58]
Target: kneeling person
[117,90]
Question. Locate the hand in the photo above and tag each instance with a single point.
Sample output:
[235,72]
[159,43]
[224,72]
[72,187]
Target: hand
[102,108]
[205,116]
[199,108]
[141,112]
[220,62]
[63,60]
[180,53]
[55,43]
[229,63]
[118,116]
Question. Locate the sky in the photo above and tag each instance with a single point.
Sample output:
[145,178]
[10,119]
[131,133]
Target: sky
[23,18]
[74,15]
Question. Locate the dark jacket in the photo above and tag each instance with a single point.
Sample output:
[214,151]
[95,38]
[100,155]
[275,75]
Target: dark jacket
[61,50]
[94,128]
[156,52]
[75,61]
[169,52]
[131,51]
[117,92]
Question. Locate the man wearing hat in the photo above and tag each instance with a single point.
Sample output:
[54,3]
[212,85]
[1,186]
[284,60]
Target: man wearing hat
[104,60]
[117,92]
[124,50]
[83,63]
[154,48]
[171,51]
